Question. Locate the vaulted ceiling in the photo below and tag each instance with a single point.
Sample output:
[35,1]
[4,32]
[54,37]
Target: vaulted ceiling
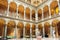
[34,2]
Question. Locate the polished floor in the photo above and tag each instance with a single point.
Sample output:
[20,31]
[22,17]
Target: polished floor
[37,39]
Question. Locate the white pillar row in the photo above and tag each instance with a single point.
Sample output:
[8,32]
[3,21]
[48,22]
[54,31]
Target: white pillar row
[43,30]
[49,12]
[59,6]
[24,13]
[51,32]
[30,14]
[30,31]
[51,29]
[42,15]
[36,30]
[5,30]
[5,34]
[24,31]
[36,16]
[30,24]
[17,11]
[59,3]
[8,8]
[16,32]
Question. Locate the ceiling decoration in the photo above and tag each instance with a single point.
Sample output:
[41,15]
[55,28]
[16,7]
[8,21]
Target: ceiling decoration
[34,2]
